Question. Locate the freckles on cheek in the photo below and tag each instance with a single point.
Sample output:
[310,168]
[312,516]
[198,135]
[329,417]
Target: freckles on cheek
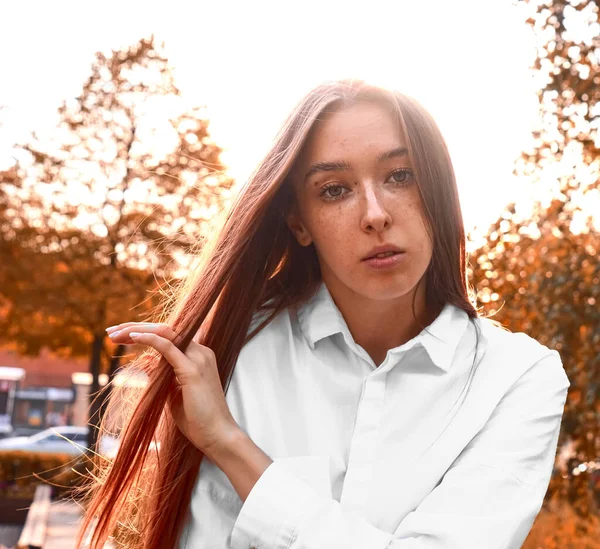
[413,220]
[332,235]
[329,223]
[413,214]
[411,206]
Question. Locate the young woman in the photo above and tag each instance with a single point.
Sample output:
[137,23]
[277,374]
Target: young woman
[323,380]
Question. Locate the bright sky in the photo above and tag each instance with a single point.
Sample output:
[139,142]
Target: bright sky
[467,61]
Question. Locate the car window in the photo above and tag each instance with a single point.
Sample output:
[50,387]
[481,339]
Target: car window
[73,436]
[78,437]
[53,438]
[65,437]
[39,437]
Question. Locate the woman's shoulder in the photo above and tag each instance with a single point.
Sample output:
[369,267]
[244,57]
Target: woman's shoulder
[499,336]
[277,330]
[519,351]
[265,351]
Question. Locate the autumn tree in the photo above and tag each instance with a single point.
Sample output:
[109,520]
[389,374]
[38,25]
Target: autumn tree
[97,215]
[540,270]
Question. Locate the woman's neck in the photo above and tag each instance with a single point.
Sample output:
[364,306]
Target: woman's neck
[380,325]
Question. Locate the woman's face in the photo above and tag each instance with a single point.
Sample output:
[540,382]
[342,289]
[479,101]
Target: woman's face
[355,191]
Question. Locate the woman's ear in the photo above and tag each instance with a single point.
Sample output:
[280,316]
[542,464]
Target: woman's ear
[298,229]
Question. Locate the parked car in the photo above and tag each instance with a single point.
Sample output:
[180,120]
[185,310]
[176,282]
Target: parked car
[67,439]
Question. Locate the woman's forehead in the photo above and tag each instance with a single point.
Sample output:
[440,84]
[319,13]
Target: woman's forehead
[364,129]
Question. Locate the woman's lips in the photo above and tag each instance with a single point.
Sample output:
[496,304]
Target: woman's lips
[385,262]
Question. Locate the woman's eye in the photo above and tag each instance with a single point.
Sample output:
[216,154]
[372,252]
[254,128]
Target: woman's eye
[401,176]
[332,192]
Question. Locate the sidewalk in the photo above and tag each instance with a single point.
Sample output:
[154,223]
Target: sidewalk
[63,525]
[9,534]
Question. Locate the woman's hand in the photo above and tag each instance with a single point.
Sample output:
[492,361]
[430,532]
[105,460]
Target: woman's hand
[197,401]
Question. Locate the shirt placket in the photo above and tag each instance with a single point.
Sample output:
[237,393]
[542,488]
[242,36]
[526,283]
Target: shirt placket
[363,447]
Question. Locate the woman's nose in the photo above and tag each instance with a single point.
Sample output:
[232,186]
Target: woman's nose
[375,215]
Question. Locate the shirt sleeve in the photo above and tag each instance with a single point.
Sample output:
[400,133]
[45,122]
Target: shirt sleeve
[489,497]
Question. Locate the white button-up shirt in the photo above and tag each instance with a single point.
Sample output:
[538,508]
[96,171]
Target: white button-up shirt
[395,456]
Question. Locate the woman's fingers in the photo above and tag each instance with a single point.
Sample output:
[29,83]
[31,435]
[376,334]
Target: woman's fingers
[186,364]
[121,333]
[118,327]
[177,359]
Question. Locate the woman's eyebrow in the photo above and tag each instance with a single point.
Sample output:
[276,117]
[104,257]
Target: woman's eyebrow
[344,166]
[326,167]
[399,151]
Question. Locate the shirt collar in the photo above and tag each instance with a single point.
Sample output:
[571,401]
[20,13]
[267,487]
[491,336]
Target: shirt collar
[319,317]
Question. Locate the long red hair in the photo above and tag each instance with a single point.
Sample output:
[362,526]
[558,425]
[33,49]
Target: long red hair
[253,263]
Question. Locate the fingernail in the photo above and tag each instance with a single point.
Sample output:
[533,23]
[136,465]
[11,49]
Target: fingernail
[134,334]
[114,334]
[112,328]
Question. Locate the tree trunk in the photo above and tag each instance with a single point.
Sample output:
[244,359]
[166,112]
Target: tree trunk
[115,362]
[95,362]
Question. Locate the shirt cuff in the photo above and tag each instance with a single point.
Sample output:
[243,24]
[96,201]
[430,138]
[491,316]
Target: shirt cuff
[289,490]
